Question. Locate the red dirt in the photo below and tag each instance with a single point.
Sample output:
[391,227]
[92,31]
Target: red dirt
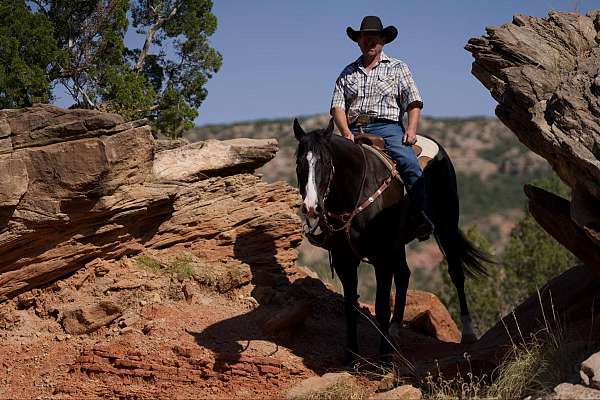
[209,346]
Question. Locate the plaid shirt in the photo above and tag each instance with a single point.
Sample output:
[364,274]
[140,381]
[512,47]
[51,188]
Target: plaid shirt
[384,92]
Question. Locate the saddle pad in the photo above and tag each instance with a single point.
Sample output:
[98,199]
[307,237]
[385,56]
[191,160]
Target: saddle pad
[425,148]
[429,149]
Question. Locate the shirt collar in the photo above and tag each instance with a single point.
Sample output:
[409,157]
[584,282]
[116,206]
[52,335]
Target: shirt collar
[382,59]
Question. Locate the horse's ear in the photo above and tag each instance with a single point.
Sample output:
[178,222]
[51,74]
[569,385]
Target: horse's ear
[329,130]
[298,131]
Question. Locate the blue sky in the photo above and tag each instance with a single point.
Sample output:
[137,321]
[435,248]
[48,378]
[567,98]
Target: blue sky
[281,57]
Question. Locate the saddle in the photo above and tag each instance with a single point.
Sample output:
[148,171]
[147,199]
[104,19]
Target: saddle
[425,149]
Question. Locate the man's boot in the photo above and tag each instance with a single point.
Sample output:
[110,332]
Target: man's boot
[424,226]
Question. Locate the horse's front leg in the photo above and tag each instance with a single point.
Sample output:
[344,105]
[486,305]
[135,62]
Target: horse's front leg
[346,267]
[401,278]
[383,276]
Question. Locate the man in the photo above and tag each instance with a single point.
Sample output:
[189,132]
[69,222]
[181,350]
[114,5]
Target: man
[372,94]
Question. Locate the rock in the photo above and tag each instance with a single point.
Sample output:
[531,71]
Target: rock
[213,158]
[388,382]
[316,384]
[568,391]
[78,185]
[224,276]
[188,292]
[87,319]
[426,314]
[288,318]
[404,392]
[169,144]
[544,74]
[571,295]
[590,371]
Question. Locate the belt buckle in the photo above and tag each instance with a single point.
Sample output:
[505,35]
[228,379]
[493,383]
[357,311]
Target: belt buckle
[363,119]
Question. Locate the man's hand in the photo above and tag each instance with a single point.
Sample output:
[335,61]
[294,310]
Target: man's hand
[339,116]
[349,135]
[410,137]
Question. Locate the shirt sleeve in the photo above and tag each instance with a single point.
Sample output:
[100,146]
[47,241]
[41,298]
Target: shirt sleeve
[338,99]
[409,93]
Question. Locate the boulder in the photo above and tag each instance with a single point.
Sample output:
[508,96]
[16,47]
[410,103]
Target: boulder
[86,319]
[404,392]
[545,75]
[311,387]
[425,313]
[568,391]
[201,160]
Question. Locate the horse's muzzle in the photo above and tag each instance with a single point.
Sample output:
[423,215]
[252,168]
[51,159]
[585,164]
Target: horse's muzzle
[310,212]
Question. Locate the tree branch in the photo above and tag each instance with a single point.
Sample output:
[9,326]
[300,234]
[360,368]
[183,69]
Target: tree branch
[159,22]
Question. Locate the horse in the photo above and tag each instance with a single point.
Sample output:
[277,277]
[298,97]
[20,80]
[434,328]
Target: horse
[341,187]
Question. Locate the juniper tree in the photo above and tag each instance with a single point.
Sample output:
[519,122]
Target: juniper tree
[162,77]
[28,54]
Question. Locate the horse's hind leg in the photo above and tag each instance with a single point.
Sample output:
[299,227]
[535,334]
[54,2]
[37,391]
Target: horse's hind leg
[455,269]
[383,276]
[457,275]
[346,267]
[443,192]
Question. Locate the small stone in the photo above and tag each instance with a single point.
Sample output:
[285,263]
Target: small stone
[590,371]
[316,384]
[570,391]
[404,392]
[388,382]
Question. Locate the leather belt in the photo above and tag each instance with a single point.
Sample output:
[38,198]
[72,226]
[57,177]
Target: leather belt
[364,119]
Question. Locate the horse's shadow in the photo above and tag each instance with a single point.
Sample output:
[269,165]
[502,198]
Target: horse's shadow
[319,340]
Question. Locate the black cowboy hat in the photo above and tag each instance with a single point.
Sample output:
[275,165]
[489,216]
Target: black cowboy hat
[372,23]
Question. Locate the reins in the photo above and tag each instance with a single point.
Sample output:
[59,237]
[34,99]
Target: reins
[347,217]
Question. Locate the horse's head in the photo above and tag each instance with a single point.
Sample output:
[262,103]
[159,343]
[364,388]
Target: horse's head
[313,166]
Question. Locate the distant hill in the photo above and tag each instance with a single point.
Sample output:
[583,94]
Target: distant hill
[492,165]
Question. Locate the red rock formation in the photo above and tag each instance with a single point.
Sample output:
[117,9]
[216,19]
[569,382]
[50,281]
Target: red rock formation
[545,75]
[79,185]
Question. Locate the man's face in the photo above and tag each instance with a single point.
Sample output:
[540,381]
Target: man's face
[370,43]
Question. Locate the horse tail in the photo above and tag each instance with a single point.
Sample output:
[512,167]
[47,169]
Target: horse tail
[474,260]
[459,251]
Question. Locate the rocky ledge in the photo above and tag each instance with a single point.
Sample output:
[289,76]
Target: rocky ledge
[77,185]
[545,75]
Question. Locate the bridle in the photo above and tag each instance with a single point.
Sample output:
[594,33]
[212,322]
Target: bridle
[327,227]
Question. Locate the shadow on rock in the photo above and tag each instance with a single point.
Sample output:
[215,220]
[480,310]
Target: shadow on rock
[294,311]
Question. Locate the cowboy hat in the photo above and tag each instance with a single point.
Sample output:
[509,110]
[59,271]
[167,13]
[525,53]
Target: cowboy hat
[372,23]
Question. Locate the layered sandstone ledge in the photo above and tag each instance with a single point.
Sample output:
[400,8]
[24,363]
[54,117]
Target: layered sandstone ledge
[545,75]
[76,185]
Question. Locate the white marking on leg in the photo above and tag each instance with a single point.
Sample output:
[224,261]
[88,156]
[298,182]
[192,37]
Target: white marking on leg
[310,201]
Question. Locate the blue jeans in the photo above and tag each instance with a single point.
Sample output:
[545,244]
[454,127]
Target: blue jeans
[404,156]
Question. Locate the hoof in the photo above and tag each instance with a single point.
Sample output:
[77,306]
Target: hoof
[395,332]
[468,338]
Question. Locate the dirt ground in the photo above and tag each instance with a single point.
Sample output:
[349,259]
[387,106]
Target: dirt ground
[119,329]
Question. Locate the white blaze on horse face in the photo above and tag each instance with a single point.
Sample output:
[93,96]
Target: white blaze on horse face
[310,200]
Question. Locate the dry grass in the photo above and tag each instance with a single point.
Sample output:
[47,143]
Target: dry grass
[181,268]
[533,367]
[148,262]
[339,391]
[470,387]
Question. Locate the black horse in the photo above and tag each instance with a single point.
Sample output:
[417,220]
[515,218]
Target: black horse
[336,177]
